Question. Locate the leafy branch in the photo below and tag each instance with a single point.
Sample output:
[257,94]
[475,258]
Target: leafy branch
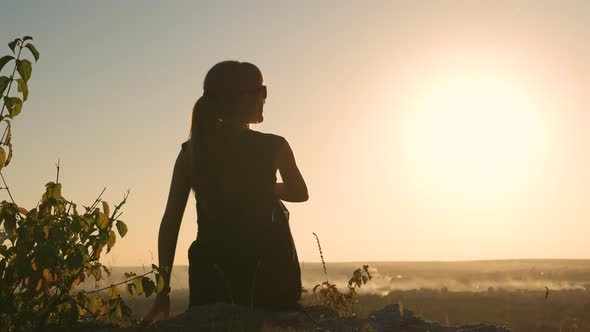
[328,294]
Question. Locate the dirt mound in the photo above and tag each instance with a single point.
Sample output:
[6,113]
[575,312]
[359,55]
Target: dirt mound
[226,317]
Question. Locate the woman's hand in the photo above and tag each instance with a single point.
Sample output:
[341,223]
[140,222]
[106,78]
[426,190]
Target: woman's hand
[293,187]
[161,306]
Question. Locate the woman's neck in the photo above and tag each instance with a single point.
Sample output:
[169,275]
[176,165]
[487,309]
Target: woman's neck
[235,126]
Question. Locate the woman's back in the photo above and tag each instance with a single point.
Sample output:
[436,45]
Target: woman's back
[243,179]
[239,232]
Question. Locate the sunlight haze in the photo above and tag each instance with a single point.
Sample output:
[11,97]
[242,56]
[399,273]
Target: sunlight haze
[425,130]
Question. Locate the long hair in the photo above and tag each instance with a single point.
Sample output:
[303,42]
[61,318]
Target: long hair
[221,91]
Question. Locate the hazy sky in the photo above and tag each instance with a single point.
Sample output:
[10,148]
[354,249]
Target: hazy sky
[426,130]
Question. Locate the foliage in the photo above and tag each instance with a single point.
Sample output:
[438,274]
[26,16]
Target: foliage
[13,104]
[328,294]
[46,253]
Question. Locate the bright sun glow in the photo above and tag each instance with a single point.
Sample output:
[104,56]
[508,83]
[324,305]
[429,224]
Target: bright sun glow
[476,137]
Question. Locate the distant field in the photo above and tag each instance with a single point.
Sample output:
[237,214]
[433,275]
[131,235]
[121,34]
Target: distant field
[510,292]
[472,276]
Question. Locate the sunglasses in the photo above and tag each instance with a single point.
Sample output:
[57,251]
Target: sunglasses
[262,87]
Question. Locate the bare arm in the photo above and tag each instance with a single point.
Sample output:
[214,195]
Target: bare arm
[177,198]
[293,187]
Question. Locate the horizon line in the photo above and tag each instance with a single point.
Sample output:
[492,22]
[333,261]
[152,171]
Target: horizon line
[419,261]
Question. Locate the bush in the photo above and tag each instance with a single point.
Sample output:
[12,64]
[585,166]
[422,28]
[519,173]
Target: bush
[48,251]
[328,294]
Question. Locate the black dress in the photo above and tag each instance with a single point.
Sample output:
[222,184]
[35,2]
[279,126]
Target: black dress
[244,252]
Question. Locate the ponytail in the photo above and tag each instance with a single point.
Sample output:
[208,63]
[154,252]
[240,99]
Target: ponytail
[205,120]
[221,89]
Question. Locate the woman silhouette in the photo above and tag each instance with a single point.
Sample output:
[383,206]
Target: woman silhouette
[244,253]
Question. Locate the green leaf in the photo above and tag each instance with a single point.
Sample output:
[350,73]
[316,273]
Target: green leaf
[53,190]
[103,220]
[22,87]
[160,283]
[25,38]
[95,304]
[4,81]
[113,292]
[105,208]
[24,69]
[148,286]
[8,136]
[13,43]
[17,106]
[4,60]
[112,240]
[33,50]
[10,227]
[9,158]
[137,284]
[2,157]
[121,227]
[88,221]
[82,298]
[14,106]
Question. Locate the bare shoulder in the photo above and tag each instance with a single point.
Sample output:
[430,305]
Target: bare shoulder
[274,140]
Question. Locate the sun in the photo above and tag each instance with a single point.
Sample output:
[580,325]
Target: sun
[478,137]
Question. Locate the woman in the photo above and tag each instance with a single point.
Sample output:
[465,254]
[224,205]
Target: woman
[244,252]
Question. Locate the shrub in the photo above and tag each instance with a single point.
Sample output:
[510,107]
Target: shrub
[328,294]
[48,251]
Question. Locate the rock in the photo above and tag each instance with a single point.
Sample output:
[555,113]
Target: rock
[391,319]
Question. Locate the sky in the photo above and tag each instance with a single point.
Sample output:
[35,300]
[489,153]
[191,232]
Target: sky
[425,130]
